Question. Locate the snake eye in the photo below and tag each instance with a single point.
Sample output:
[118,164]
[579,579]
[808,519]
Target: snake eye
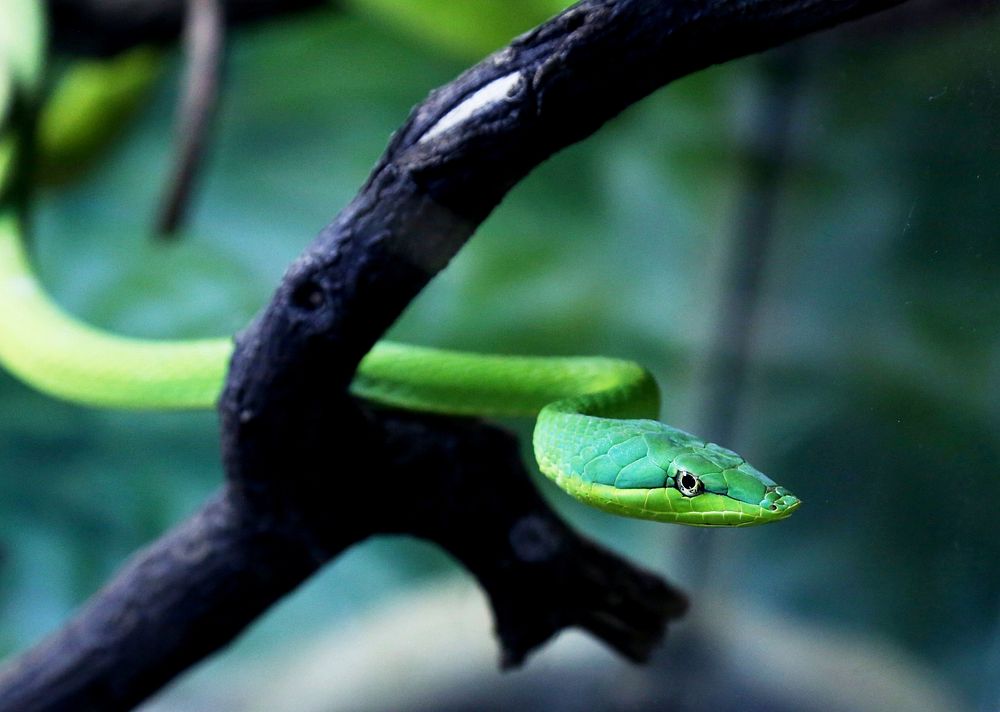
[688,484]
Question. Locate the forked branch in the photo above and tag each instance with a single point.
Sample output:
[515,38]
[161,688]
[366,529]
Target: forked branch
[295,446]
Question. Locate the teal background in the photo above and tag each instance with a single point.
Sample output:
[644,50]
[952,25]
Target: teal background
[871,393]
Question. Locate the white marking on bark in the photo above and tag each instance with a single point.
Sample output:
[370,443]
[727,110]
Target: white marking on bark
[481,99]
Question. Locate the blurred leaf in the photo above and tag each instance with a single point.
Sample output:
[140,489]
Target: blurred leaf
[463,27]
[89,108]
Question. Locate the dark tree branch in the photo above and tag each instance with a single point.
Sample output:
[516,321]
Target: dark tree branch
[197,587]
[309,471]
[539,575]
[188,594]
[106,27]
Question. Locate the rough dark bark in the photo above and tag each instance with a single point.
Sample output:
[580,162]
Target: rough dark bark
[294,441]
[173,603]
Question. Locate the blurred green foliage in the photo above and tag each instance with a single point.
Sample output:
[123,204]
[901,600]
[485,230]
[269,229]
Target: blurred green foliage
[876,359]
[467,29]
[90,105]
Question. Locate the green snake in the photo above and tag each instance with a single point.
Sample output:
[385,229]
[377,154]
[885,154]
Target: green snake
[595,435]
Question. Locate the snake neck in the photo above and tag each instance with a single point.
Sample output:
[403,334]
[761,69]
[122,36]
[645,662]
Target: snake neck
[572,432]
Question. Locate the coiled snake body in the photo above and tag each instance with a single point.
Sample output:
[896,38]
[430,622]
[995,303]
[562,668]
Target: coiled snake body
[594,434]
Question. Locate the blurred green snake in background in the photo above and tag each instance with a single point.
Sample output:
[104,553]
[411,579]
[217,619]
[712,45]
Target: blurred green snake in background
[594,434]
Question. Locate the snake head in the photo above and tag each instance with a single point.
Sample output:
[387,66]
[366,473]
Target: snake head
[655,471]
[723,488]
[649,470]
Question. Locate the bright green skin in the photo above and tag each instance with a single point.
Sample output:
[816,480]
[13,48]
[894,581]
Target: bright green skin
[593,435]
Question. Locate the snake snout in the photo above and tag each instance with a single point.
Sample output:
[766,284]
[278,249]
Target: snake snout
[779,501]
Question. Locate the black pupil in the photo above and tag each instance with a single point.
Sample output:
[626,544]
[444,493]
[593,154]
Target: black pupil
[688,481]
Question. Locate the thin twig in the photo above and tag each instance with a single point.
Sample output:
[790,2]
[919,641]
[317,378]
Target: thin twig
[204,44]
[766,154]
[765,157]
